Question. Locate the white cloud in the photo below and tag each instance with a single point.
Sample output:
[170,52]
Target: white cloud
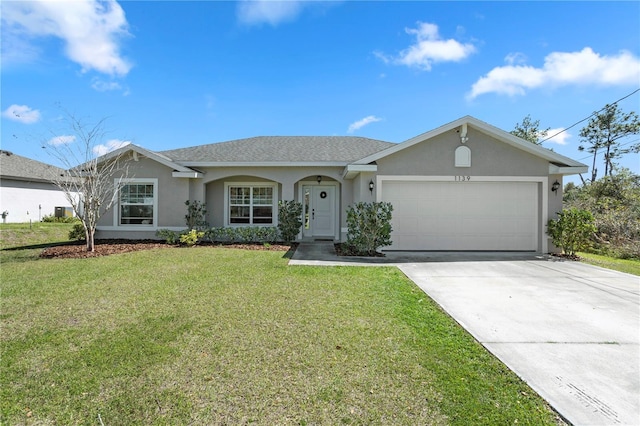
[61,140]
[516,58]
[361,123]
[22,114]
[105,86]
[429,48]
[268,11]
[558,138]
[560,69]
[91,30]
[110,145]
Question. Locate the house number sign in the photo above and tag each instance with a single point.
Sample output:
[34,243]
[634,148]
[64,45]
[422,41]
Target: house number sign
[462,178]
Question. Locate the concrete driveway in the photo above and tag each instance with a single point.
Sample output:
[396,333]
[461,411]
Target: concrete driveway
[570,330]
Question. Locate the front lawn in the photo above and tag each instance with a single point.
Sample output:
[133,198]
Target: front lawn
[630,266]
[224,336]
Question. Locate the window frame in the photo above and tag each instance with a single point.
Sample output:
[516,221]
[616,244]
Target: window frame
[118,206]
[251,205]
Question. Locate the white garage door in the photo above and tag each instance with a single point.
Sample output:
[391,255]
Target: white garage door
[463,215]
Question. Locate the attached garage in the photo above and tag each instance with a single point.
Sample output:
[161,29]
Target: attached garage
[464,215]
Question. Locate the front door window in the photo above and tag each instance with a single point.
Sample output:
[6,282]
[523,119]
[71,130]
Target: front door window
[307,208]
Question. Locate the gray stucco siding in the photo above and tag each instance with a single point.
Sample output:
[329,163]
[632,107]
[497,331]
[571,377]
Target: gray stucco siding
[489,157]
[286,178]
[172,193]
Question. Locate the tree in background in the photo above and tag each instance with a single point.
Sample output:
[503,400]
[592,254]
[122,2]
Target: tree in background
[614,202]
[97,180]
[604,134]
[530,130]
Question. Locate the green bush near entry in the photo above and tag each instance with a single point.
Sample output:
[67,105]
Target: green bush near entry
[368,227]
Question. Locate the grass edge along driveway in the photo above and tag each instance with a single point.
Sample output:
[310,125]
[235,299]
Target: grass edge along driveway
[223,336]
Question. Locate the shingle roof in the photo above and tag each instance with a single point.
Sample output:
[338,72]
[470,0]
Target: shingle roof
[14,166]
[279,149]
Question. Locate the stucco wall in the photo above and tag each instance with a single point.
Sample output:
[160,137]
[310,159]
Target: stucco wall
[287,178]
[555,206]
[172,193]
[489,157]
[29,201]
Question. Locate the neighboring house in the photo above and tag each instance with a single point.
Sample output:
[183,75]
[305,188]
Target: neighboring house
[27,192]
[464,186]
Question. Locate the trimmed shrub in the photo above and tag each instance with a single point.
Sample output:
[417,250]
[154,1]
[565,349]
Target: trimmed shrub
[368,227]
[196,213]
[245,234]
[65,219]
[572,231]
[77,233]
[191,238]
[289,220]
[169,236]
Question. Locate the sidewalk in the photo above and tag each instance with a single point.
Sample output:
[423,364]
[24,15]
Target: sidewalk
[323,253]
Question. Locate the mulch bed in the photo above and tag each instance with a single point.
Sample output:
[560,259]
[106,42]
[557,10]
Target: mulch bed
[107,247]
[566,256]
[344,250]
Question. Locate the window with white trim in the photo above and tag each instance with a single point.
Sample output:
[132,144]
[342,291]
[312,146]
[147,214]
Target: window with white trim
[137,204]
[251,204]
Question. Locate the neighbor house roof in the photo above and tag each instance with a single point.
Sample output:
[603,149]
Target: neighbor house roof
[280,149]
[16,167]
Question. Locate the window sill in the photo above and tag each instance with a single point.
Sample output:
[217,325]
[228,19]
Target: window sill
[130,228]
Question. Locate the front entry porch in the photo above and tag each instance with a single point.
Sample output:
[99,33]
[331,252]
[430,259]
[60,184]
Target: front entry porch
[320,210]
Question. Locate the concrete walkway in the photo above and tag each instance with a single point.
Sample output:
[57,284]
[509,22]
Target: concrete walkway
[570,330]
[323,253]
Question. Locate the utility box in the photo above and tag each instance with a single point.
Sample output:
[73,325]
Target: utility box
[64,212]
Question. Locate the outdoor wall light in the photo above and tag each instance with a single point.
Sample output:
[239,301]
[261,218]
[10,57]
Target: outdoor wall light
[371,186]
[319,178]
[555,186]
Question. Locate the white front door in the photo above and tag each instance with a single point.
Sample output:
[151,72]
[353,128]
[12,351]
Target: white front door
[320,206]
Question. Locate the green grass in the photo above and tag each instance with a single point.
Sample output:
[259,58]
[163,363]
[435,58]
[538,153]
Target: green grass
[630,266]
[24,241]
[223,336]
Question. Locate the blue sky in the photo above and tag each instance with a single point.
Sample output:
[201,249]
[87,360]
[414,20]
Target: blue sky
[177,74]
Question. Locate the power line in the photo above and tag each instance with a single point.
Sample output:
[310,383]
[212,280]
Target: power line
[585,119]
[621,145]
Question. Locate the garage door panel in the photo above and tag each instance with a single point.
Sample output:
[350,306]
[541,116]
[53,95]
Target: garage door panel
[406,224]
[407,206]
[463,216]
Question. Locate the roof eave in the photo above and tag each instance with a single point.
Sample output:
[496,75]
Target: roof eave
[162,159]
[353,170]
[263,164]
[485,128]
[191,175]
[561,170]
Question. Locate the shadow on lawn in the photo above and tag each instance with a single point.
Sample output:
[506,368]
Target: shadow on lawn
[44,245]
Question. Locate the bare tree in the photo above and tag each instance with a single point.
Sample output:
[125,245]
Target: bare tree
[90,183]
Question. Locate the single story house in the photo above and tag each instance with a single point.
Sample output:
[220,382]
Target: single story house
[464,186]
[27,192]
